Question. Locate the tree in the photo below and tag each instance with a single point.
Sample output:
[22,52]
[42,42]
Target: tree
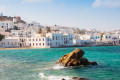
[48,29]
[1,37]
[39,31]
[15,28]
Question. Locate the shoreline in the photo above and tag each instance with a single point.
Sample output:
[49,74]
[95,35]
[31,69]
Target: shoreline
[1,48]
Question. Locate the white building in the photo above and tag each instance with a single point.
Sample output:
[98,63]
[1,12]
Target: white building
[56,39]
[34,23]
[68,39]
[7,24]
[10,43]
[2,31]
[111,38]
[39,41]
[86,39]
[59,39]
[50,40]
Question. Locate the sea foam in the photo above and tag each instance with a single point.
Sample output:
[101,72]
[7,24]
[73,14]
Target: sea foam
[58,66]
[52,77]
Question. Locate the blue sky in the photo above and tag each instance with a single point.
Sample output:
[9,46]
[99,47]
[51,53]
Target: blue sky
[86,14]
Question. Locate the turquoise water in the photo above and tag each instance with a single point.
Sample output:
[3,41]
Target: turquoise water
[39,64]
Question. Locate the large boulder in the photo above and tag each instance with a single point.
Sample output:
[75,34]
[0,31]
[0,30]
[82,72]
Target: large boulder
[75,58]
[72,59]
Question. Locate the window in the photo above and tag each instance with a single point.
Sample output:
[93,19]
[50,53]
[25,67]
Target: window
[43,39]
[30,44]
[43,44]
[8,43]
[36,39]
[56,37]
[12,43]
[33,44]
[39,39]
[29,39]
[39,44]
[48,44]
[48,39]
[33,39]
[53,37]
[56,43]
[36,44]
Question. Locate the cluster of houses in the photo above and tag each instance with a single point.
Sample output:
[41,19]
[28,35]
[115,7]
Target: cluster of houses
[18,33]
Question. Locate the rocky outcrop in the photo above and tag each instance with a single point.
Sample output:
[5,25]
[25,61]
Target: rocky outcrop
[76,78]
[79,78]
[75,58]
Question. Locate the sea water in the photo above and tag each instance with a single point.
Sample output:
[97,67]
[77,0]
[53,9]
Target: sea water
[39,64]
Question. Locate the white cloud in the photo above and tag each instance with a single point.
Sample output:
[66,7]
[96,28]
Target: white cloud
[107,3]
[37,0]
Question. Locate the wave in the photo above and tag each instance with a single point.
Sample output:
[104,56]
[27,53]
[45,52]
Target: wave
[55,67]
[53,77]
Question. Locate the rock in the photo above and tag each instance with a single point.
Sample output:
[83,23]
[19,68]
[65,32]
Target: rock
[76,78]
[79,78]
[63,79]
[84,61]
[63,58]
[75,58]
[93,63]
[72,59]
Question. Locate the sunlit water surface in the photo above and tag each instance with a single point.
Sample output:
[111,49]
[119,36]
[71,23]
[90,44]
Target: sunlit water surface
[39,64]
